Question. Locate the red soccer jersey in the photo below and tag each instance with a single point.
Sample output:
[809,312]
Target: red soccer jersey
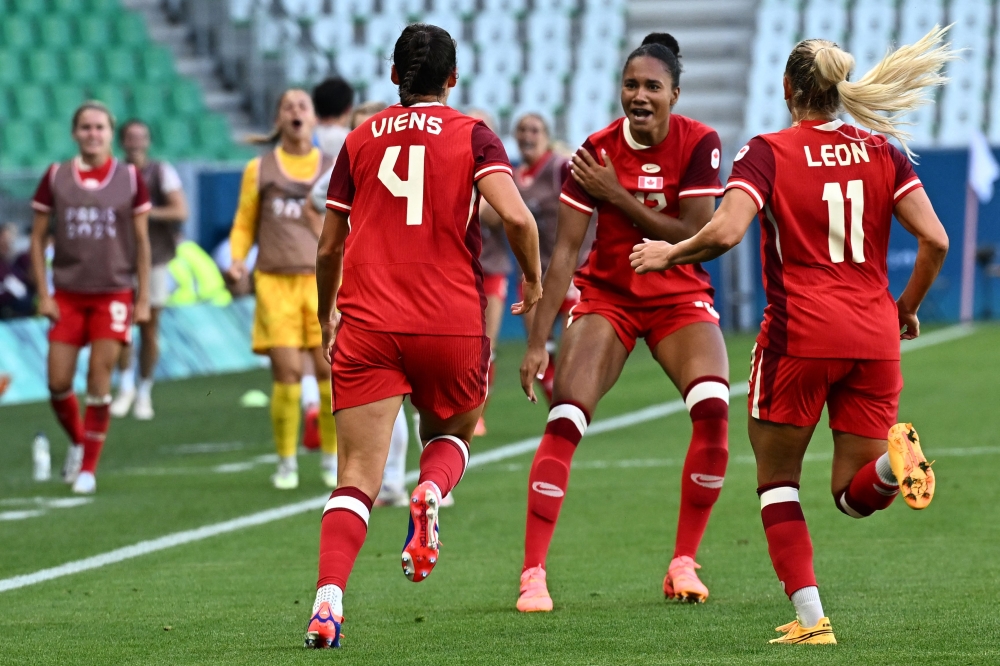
[408,178]
[826,192]
[685,164]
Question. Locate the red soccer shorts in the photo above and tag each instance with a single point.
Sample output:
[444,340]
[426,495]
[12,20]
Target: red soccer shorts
[570,302]
[495,286]
[862,395]
[84,318]
[442,374]
[652,323]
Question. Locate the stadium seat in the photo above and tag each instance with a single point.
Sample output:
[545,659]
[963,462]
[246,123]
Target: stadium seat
[505,6]
[172,136]
[82,66]
[602,59]
[825,19]
[302,10]
[499,61]
[56,32]
[917,17]
[241,11]
[28,6]
[18,143]
[31,102]
[382,31]
[494,28]
[582,121]
[57,140]
[65,100]
[130,30]
[451,22]
[357,65]
[94,32]
[994,105]
[158,64]
[185,98]
[274,34]
[213,134]
[44,67]
[102,6]
[963,99]
[66,7]
[332,33]
[6,107]
[567,6]
[456,7]
[111,95]
[120,65]
[538,92]
[605,5]
[873,23]
[405,8]
[18,33]
[602,28]
[548,58]
[148,101]
[381,89]
[493,94]
[552,28]
[10,68]
[354,8]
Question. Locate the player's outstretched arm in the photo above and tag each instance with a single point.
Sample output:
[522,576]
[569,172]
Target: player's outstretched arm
[329,269]
[143,263]
[519,224]
[601,182]
[721,234]
[915,213]
[39,238]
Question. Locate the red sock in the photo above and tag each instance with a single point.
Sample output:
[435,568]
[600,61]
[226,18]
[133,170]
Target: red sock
[548,380]
[67,411]
[867,493]
[549,478]
[707,400]
[788,540]
[345,525]
[96,420]
[443,461]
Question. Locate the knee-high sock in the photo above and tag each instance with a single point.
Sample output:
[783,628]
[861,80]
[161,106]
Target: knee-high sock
[327,424]
[67,411]
[443,461]
[872,489]
[707,400]
[286,415]
[393,477]
[96,420]
[788,540]
[345,525]
[549,478]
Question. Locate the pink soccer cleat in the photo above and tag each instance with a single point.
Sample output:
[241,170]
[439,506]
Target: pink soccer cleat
[682,583]
[534,593]
[324,629]
[420,553]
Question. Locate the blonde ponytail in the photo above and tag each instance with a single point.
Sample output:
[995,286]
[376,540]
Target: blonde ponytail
[818,70]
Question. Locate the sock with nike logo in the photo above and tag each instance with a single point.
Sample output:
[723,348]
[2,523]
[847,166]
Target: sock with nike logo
[549,478]
[707,400]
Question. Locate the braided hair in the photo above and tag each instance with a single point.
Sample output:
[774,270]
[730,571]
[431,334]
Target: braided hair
[424,57]
[664,48]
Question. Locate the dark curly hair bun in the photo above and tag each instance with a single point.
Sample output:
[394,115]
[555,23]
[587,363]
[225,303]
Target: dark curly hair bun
[663,39]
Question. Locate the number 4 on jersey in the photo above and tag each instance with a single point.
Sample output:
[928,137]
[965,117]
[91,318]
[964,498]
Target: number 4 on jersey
[834,198]
[411,189]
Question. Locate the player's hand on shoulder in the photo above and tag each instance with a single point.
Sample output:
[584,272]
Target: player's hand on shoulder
[599,180]
[329,329]
[532,293]
[47,307]
[909,324]
[650,256]
[536,359]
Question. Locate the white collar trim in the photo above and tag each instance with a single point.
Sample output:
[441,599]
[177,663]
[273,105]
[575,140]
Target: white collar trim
[421,104]
[629,139]
[834,124]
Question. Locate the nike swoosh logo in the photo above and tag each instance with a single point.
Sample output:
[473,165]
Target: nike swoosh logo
[708,480]
[547,489]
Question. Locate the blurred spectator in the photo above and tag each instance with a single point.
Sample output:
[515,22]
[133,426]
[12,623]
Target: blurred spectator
[17,291]
[333,100]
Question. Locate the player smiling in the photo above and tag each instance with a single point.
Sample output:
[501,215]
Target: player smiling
[831,330]
[650,174]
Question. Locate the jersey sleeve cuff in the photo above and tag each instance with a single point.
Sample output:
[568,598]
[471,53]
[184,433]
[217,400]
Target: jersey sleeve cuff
[487,169]
[144,208]
[40,207]
[906,188]
[710,191]
[749,189]
[574,204]
[333,204]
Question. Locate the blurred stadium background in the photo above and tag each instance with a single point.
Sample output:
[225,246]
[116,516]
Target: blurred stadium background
[205,73]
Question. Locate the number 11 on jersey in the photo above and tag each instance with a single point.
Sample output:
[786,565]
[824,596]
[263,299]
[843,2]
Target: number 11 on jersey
[833,195]
[412,189]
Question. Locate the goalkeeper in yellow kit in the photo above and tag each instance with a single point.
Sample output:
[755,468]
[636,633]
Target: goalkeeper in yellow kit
[271,214]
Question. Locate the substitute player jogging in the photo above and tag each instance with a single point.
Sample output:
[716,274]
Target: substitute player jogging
[654,174]
[272,200]
[825,194]
[95,209]
[411,303]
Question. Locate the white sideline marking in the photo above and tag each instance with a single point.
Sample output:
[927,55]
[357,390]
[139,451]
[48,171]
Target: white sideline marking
[289,510]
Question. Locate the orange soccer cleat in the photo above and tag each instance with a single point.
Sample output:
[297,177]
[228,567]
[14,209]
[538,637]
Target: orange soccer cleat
[534,592]
[914,473]
[682,583]
[796,634]
[324,629]
[420,553]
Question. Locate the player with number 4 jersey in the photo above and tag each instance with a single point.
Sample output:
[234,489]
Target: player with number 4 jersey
[825,194]
[399,259]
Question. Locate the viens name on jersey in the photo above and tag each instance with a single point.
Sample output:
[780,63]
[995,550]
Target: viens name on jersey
[410,120]
[842,154]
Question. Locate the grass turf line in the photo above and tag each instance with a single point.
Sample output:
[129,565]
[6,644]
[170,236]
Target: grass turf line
[232,600]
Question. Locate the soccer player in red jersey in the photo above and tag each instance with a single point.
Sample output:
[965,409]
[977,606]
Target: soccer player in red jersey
[411,303]
[98,208]
[651,174]
[825,194]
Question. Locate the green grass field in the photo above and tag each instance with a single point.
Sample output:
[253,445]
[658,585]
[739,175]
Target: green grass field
[901,587]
